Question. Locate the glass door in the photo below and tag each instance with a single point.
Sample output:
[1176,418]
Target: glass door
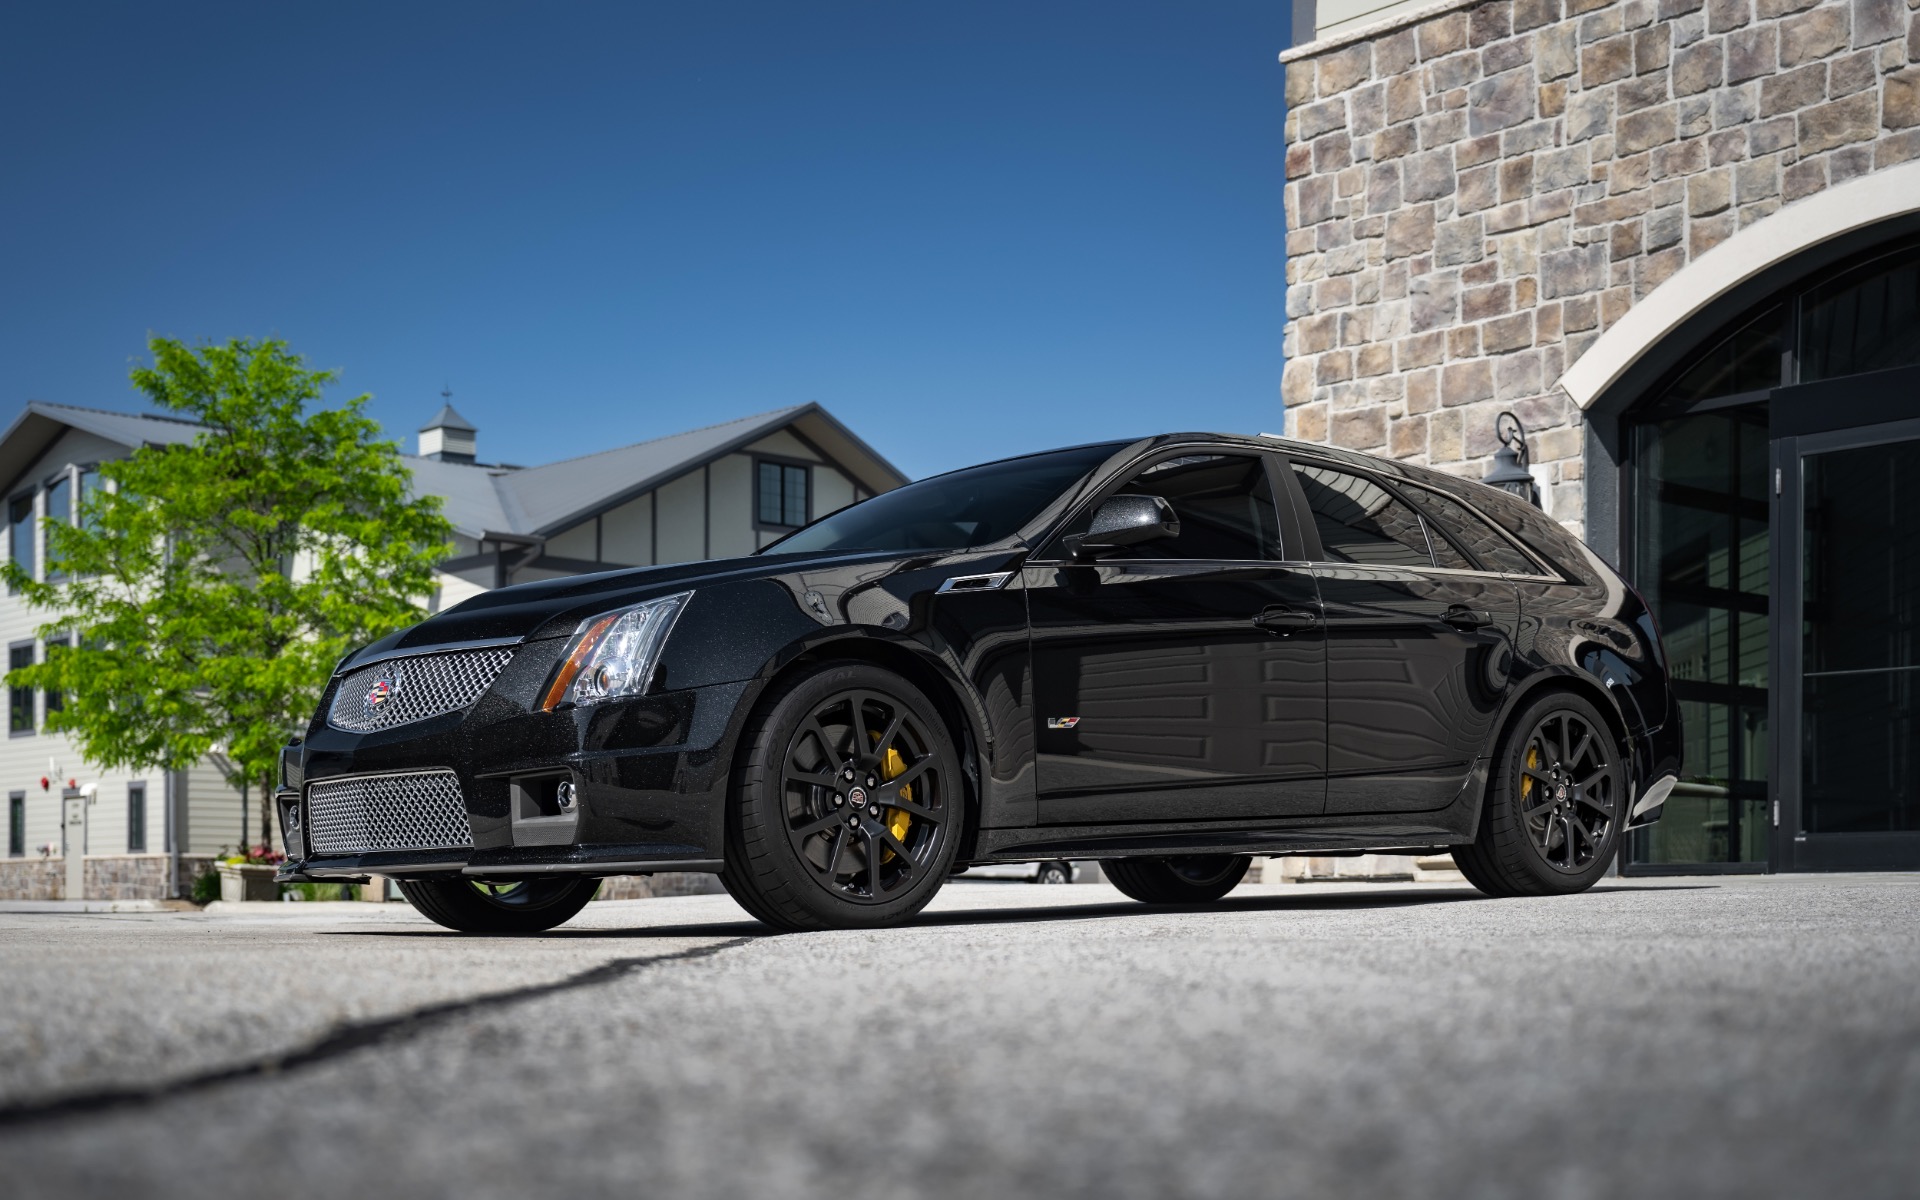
[1700,557]
[1848,580]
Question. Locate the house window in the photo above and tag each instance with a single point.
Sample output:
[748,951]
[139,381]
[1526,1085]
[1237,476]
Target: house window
[136,818]
[55,701]
[89,484]
[781,498]
[19,698]
[20,522]
[16,824]
[59,508]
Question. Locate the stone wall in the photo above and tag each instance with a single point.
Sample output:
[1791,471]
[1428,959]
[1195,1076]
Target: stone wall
[109,876]
[666,883]
[1478,190]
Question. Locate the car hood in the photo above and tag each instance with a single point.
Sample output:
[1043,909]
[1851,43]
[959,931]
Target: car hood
[555,607]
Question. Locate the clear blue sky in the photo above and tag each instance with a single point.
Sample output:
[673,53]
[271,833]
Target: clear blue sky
[968,229]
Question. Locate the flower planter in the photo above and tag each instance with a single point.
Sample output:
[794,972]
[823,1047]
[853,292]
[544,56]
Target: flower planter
[248,882]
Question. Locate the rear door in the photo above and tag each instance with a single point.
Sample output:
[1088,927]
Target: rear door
[1419,644]
[1182,679]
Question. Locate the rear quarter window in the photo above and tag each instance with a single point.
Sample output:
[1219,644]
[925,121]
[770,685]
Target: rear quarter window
[1542,536]
[1473,532]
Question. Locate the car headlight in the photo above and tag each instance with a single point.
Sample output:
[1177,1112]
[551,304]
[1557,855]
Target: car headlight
[613,654]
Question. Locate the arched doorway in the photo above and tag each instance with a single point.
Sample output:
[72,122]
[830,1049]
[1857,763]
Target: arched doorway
[1770,511]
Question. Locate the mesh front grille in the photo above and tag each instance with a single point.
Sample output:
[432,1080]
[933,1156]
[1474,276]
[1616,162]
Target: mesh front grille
[403,690]
[423,811]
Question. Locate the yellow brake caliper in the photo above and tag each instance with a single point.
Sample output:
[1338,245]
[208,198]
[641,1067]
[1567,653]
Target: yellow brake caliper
[898,822]
[1526,781]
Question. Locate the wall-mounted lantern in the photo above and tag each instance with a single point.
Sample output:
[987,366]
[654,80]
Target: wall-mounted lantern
[1510,472]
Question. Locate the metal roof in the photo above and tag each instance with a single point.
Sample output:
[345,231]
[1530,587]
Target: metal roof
[481,500]
[446,418]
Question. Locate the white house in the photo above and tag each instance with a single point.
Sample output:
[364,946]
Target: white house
[715,492]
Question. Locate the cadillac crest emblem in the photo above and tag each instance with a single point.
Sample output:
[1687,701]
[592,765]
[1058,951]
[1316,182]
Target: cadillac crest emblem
[385,689]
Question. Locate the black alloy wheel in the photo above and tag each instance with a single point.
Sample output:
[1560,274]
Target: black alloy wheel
[1181,879]
[847,803]
[1567,801]
[506,906]
[1553,808]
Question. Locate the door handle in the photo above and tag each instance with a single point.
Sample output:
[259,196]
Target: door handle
[1284,621]
[1465,619]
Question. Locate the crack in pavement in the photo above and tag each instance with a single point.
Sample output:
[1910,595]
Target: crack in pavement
[341,1041]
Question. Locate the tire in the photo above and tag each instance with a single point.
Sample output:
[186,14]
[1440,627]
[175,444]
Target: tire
[1054,872]
[1555,800]
[1477,875]
[523,906]
[837,766]
[1183,879]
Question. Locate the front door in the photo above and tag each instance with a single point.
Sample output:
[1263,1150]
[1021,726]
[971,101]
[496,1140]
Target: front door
[1183,679]
[1848,580]
[1417,654]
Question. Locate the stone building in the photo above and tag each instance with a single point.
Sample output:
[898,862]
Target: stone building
[1680,239]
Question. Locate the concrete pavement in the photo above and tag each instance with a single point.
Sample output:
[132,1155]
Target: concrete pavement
[1655,1037]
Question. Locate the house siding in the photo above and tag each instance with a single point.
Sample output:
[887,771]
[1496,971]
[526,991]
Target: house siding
[578,542]
[682,526]
[626,533]
[730,489]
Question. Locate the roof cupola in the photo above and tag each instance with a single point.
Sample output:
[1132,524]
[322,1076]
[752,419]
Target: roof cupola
[449,437]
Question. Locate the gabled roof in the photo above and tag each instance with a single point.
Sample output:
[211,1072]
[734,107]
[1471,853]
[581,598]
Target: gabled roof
[483,501]
[36,429]
[549,498]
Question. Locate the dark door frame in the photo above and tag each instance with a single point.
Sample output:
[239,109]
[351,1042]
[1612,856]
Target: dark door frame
[1793,849]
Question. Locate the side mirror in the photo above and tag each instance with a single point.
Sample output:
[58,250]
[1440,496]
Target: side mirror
[1124,521]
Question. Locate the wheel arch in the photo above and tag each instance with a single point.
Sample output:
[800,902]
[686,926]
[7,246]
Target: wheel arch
[1567,681]
[956,704]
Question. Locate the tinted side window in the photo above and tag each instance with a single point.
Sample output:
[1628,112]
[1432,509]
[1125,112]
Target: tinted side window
[1224,502]
[959,509]
[1471,530]
[1445,552]
[1360,521]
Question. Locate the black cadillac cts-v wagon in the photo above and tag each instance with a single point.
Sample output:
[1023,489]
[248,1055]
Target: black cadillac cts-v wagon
[1167,654]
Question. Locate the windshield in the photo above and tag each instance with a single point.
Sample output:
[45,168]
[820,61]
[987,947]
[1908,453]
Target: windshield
[954,511]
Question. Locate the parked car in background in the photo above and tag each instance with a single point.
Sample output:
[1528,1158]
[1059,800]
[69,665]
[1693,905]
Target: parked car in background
[1051,871]
[1166,654]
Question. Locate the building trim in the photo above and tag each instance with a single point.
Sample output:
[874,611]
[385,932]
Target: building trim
[1373,29]
[1795,229]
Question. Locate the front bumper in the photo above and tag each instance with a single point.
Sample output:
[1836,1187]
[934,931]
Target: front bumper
[648,783]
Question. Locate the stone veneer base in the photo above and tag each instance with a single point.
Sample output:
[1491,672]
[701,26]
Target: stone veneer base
[109,877]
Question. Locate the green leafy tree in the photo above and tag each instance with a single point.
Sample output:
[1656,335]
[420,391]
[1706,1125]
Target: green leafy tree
[208,588]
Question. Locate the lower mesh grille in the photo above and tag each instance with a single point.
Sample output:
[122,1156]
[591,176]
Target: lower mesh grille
[423,811]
